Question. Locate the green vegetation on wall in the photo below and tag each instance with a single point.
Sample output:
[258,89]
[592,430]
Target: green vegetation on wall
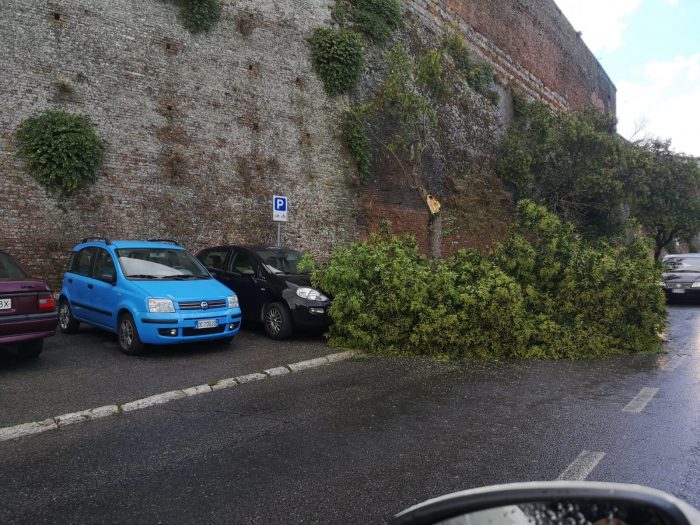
[378,19]
[356,138]
[199,15]
[546,293]
[337,58]
[62,150]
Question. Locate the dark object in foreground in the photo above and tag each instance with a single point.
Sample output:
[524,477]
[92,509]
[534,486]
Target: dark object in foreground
[27,309]
[270,287]
[552,502]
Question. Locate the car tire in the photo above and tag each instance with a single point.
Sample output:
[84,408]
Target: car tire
[66,321]
[278,321]
[128,335]
[30,349]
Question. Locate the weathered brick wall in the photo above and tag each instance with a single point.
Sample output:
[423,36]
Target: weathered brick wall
[203,130]
[532,45]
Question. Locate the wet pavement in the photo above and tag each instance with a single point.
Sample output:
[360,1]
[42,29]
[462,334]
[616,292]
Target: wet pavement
[358,441]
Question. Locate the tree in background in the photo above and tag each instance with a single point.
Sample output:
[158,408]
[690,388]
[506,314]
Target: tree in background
[666,192]
[572,163]
[580,168]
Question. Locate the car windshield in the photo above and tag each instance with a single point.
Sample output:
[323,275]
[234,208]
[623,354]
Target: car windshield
[160,263]
[683,264]
[281,261]
[9,270]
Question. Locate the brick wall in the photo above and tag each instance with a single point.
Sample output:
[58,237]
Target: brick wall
[203,130]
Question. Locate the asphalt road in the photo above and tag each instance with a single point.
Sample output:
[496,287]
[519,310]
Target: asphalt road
[352,442]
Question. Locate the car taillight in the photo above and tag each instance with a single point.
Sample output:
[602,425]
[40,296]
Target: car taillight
[47,303]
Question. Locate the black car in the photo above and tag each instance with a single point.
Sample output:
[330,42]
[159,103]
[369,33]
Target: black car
[681,280]
[270,287]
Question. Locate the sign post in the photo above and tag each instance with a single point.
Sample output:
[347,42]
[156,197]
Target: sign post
[279,214]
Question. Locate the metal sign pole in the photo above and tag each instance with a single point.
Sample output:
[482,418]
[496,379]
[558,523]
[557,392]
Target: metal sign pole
[279,224]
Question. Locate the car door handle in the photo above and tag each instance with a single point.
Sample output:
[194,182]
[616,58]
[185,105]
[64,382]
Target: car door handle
[90,286]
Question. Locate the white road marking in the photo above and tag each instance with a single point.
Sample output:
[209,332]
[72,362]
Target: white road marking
[37,427]
[582,466]
[641,400]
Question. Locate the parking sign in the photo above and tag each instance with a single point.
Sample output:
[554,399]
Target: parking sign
[279,208]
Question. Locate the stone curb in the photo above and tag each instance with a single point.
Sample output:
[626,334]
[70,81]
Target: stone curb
[72,418]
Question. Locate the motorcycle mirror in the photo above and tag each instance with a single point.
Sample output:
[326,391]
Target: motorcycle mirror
[549,503]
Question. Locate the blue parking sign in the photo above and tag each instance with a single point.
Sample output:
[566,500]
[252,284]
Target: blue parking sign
[279,208]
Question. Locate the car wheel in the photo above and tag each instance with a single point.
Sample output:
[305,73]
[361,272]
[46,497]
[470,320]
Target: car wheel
[66,321]
[278,321]
[129,340]
[31,349]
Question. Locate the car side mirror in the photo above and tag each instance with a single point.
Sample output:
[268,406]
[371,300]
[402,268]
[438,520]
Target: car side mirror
[108,278]
[248,273]
[552,502]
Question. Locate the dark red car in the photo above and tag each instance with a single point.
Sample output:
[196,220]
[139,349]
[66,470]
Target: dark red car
[27,309]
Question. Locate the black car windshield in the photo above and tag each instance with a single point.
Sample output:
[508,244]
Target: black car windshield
[160,263]
[683,264]
[9,271]
[281,261]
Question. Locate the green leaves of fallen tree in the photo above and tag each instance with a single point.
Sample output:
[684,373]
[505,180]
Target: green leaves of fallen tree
[200,15]
[337,57]
[62,150]
[546,293]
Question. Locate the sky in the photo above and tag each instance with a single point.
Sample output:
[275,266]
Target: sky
[651,51]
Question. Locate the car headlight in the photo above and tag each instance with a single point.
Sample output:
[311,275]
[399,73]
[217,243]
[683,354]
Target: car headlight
[696,284]
[662,283]
[311,294]
[232,301]
[161,306]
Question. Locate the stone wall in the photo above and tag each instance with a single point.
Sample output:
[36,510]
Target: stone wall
[203,130]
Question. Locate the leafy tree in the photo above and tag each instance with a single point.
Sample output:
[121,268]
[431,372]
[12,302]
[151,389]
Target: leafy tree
[573,163]
[415,117]
[666,196]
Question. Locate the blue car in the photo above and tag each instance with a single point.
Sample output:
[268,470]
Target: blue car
[147,292]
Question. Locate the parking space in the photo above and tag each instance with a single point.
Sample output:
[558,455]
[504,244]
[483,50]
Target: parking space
[86,370]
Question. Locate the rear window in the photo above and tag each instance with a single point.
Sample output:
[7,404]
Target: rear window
[683,264]
[9,270]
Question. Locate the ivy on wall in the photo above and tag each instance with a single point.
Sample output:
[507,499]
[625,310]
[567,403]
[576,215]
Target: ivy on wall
[337,57]
[62,150]
[378,19]
[199,15]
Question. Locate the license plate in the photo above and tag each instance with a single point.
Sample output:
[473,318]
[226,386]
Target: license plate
[5,304]
[677,290]
[207,323]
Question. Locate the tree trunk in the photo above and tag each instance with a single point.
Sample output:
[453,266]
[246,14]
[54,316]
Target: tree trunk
[435,235]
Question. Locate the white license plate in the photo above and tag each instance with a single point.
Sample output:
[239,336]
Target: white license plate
[5,304]
[207,323]
[677,290]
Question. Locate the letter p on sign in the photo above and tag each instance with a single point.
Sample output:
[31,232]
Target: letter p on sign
[279,208]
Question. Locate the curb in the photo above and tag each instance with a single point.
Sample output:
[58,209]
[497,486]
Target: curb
[72,418]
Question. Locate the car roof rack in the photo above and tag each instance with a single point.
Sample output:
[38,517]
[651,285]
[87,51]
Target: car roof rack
[171,241]
[104,239]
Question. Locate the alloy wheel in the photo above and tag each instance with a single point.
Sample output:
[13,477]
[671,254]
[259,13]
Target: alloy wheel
[273,319]
[126,334]
[64,316]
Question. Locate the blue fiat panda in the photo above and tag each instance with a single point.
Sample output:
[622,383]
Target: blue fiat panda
[148,292]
